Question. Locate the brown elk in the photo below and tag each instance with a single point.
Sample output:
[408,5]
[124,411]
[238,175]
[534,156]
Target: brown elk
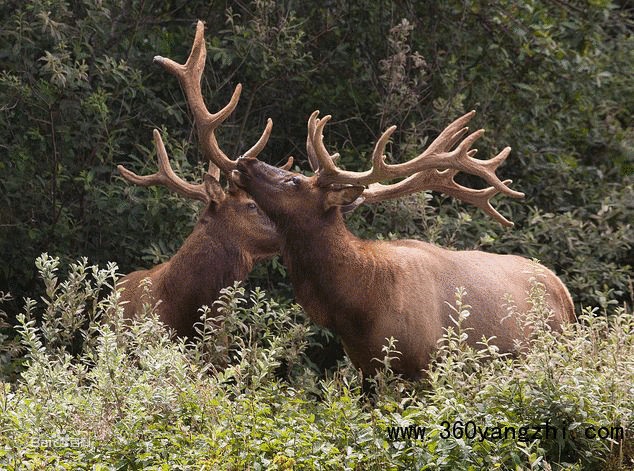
[369,291]
[232,232]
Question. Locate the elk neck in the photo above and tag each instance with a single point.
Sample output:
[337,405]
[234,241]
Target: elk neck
[334,273]
[208,261]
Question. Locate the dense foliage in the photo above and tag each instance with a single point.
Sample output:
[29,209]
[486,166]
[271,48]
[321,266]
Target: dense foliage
[79,94]
[132,398]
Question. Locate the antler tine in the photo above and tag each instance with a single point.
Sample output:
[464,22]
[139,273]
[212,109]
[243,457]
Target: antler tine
[257,148]
[313,160]
[443,182]
[443,143]
[190,75]
[462,159]
[326,161]
[166,176]
[450,135]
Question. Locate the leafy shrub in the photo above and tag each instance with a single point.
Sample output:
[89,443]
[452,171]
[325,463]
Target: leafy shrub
[133,398]
[550,79]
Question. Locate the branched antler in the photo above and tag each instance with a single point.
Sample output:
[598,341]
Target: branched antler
[434,169]
[190,75]
[166,176]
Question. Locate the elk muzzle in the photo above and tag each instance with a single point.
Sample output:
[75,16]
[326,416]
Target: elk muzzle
[252,174]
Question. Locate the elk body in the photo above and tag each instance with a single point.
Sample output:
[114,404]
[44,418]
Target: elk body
[368,291]
[230,236]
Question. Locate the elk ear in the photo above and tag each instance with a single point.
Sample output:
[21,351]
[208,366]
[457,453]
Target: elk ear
[214,191]
[344,197]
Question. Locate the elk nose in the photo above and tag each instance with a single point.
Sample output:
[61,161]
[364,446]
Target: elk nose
[246,159]
[244,163]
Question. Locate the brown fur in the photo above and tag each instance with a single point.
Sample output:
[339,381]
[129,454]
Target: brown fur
[367,291]
[231,235]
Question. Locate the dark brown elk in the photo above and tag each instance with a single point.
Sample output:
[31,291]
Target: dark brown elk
[231,234]
[369,291]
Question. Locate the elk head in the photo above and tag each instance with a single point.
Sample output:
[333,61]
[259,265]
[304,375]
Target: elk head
[229,212]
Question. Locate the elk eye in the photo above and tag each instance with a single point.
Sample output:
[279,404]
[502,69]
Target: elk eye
[295,181]
[252,205]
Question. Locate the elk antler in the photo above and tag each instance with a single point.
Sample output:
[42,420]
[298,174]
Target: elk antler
[166,176]
[189,75]
[434,169]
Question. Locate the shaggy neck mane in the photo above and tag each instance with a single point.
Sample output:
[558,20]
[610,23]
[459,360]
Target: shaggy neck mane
[212,263]
[332,270]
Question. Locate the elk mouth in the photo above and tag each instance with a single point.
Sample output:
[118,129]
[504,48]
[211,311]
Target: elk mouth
[248,171]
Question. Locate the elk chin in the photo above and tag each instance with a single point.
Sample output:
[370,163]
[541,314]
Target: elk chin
[269,229]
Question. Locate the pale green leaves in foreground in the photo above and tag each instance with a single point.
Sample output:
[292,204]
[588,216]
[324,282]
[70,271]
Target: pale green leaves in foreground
[95,393]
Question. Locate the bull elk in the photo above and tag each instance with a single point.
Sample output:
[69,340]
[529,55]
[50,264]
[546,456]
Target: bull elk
[232,232]
[368,291]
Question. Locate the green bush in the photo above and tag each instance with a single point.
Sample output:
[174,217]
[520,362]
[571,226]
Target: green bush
[553,80]
[132,398]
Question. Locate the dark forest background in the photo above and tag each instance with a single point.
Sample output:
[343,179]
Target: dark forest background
[554,80]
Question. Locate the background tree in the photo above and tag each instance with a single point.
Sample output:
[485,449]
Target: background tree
[79,95]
